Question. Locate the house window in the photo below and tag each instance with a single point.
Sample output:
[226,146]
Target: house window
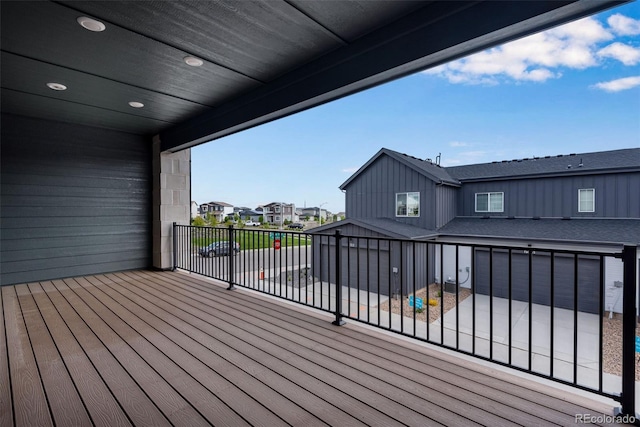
[408,204]
[277,218]
[489,202]
[587,200]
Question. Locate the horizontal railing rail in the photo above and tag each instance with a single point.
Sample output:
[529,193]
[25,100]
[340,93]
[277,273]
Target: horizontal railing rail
[565,315]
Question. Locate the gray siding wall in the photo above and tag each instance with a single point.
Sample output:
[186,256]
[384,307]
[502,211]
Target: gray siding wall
[616,196]
[75,200]
[446,198]
[373,193]
[368,264]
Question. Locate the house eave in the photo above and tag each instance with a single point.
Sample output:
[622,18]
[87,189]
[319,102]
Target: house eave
[526,241]
[559,174]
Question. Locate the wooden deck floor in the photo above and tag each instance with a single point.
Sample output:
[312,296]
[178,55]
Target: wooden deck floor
[152,349]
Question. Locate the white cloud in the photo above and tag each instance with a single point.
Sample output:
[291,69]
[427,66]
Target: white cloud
[538,57]
[350,170]
[619,84]
[465,158]
[624,53]
[623,25]
[458,144]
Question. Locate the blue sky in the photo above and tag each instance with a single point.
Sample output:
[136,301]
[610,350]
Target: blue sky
[572,89]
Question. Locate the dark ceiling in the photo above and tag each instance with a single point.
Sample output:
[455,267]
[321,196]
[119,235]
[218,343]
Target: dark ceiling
[262,60]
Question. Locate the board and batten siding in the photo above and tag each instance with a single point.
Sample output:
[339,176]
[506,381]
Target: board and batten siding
[373,193]
[76,200]
[446,197]
[616,196]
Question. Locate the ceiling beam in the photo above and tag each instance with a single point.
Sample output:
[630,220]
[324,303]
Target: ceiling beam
[438,33]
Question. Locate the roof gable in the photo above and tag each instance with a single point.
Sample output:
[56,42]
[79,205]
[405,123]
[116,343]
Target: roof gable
[384,226]
[426,168]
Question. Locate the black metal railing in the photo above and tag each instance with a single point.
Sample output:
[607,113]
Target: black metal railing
[538,310]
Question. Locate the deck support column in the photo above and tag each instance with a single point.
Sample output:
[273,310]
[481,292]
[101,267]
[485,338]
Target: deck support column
[339,321]
[171,200]
[629,322]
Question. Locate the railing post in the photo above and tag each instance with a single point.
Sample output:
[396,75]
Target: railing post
[231,254]
[629,319]
[338,321]
[175,246]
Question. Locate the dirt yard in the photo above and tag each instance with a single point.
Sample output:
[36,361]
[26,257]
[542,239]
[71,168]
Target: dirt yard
[612,346]
[434,311]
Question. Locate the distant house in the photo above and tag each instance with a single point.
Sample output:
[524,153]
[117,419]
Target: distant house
[238,209]
[588,200]
[195,209]
[219,210]
[250,215]
[314,212]
[277,212]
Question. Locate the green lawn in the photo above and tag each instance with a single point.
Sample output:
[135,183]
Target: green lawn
[248,239]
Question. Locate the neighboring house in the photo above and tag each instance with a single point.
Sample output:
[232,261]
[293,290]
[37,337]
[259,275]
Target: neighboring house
[314,212]
[238,209]
[250,215]
[277,212]
[586,201]
[219,210]
[195,209]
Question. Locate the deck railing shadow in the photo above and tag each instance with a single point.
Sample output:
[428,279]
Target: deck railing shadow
[538,310]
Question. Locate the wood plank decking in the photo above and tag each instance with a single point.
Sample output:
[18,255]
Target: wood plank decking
[157,348]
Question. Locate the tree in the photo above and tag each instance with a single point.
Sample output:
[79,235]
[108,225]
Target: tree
[212,220]
[198,221]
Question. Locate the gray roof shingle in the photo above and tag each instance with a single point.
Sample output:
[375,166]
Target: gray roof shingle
[561,164]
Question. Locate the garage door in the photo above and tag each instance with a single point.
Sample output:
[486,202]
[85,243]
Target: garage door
[563,278]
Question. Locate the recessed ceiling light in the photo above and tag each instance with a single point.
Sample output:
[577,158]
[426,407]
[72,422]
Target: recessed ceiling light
[136,104]
[91,24]
[193,61]
[56,86]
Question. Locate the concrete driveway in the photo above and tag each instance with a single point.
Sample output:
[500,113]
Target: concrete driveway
[539,339]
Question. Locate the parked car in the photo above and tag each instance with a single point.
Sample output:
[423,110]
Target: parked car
[252,223]
[218,249]
[297,225]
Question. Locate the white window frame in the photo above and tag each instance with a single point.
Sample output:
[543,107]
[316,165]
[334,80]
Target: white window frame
[593,199]
[407,213]
[489,194]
